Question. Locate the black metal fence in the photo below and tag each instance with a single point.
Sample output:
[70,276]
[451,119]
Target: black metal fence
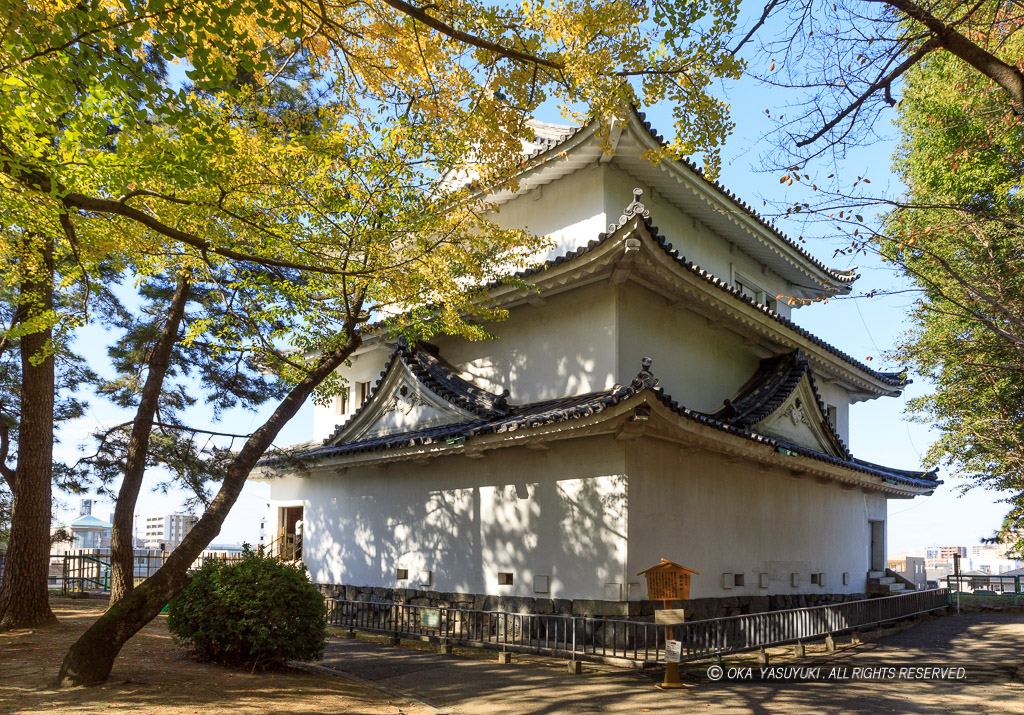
[583,637]
[986,584]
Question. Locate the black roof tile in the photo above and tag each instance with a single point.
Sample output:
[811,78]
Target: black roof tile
[563,409]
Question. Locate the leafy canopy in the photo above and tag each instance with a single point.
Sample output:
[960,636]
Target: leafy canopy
[306,154]
[959,234]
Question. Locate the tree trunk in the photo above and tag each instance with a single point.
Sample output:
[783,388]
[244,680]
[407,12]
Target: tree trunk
[24,597]
[1005,75]
[91,658]
[122,546]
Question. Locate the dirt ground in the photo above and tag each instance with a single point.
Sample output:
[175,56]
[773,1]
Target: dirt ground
[153,675]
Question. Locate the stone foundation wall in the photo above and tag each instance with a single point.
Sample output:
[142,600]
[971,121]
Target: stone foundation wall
[696,609]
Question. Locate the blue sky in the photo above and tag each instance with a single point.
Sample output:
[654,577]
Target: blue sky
[864,327]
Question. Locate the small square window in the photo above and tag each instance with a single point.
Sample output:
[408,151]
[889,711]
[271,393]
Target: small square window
[402,574]
[341,403]
[541,584]
[504,578]
[814,579]
[738,579]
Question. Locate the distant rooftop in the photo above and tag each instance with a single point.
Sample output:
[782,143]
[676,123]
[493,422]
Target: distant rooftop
[88,521]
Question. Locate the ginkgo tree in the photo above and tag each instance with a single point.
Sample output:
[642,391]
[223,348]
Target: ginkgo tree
[325,212]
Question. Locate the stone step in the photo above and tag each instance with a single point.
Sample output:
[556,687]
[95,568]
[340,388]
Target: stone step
[876,574]
[885,588]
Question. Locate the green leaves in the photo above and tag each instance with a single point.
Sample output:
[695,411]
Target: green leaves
[960,237]
[258,612]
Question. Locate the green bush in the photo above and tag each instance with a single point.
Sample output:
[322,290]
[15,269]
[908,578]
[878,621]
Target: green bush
[258,612]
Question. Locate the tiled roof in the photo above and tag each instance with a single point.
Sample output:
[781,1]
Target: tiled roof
[894,379]
[843,276]
[771,385]
[555,135]
[441,379]
[564,409]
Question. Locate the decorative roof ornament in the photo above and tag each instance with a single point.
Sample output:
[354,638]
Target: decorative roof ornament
[635,208]
[645,378]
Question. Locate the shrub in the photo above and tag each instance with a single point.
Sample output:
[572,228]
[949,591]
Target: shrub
[258,612]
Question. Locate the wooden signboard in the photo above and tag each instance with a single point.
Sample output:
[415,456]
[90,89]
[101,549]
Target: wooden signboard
[668,581]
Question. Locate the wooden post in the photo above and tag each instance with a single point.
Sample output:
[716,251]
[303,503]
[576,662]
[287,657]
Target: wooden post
[672,681]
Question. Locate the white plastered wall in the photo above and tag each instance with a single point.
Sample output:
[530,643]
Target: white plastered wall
[719,517]
[698,365]
[560,513]
[565,347]
[695,241]
[569,211]
[832,394]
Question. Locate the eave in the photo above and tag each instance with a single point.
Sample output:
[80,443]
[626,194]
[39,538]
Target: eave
[682,184]
[657,421]
[636,252]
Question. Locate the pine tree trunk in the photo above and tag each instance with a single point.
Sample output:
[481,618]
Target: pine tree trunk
[122,546]
[91,658]
[24,596]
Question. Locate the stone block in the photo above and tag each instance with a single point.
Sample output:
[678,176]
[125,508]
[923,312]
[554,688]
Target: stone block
[730,602]
[595,608]
[516,604]
[759,604]
[830,644]
[543,606]
[505,658]
[762,657]
[855,638]
[575,667]
[799,651]
[562,606]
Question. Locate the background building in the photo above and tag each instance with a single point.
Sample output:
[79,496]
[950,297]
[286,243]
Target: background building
[165,532]
[86,531]
[911,568]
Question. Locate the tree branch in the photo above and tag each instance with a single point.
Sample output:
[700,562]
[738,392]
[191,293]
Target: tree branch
[757,26]
[500,50]
[1006,76]
[882,82]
